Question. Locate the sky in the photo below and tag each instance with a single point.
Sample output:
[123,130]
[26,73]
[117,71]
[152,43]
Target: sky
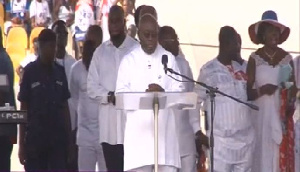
[199,22]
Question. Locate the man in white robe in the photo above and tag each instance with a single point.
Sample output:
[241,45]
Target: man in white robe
[142,71]
[101,85]
[233,130]
[90,152]
[187,121]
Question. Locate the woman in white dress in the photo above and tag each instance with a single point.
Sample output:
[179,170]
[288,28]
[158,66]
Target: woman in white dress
[265,69]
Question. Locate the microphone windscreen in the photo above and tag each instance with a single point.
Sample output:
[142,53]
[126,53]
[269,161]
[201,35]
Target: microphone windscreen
[164,59]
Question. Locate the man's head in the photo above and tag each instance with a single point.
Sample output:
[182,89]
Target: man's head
[94,34]
[148,10]
[87,52]
[47,48]
[132,30]
[116,21]
[148,33]
[229,43]
[137,15]
[128,6]
[168,39]
[238,58]
[60,29]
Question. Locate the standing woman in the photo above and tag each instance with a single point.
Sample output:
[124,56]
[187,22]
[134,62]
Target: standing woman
[271,85]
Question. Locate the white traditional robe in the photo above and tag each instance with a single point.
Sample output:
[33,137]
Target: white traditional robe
[233,130]
[188,121]
[101,79]
[87,108]
[136,72]
[87,111]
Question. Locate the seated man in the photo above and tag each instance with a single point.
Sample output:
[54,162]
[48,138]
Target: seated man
[17,14]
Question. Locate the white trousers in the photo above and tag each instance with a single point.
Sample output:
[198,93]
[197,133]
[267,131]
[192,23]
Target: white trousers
[89,157]
[150,168]
[222,166]
[188,163]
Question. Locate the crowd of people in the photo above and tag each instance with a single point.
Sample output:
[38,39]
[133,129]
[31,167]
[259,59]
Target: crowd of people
[74,125]
[78,15]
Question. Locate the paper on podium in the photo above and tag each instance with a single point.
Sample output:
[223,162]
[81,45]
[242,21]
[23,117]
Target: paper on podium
[144,100]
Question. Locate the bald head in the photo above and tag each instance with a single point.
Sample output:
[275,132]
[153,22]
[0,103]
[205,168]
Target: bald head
[148,33]
[168,39]
[116,21]
[146,18]
[148,10]
[115,9]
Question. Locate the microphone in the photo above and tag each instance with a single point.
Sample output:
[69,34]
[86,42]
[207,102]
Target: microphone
[164,61]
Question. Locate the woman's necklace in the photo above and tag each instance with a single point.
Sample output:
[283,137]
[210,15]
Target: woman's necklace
[270,56]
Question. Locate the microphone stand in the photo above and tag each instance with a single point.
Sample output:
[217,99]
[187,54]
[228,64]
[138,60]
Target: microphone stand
[211,91]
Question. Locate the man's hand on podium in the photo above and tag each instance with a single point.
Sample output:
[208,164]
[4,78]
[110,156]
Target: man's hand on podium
[154,88]
[111,98]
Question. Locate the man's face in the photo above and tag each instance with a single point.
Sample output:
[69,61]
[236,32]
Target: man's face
[148,35]
[116,23]
[170,43]
[47,51]
[95,37]
[61,35]
[131,31]
[233,47]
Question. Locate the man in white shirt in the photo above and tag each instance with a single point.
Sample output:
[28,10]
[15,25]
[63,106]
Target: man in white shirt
[90,152]
[142,71]
[65,60]
[39,13]
[188,122]
[233,130]
[28,59]
[101,85]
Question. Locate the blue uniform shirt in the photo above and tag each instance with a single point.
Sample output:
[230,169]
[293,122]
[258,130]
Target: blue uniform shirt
[45,93]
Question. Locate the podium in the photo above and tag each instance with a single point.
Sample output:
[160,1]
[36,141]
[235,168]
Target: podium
[131,101]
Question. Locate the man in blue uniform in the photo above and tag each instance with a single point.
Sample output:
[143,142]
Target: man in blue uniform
[44,94]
